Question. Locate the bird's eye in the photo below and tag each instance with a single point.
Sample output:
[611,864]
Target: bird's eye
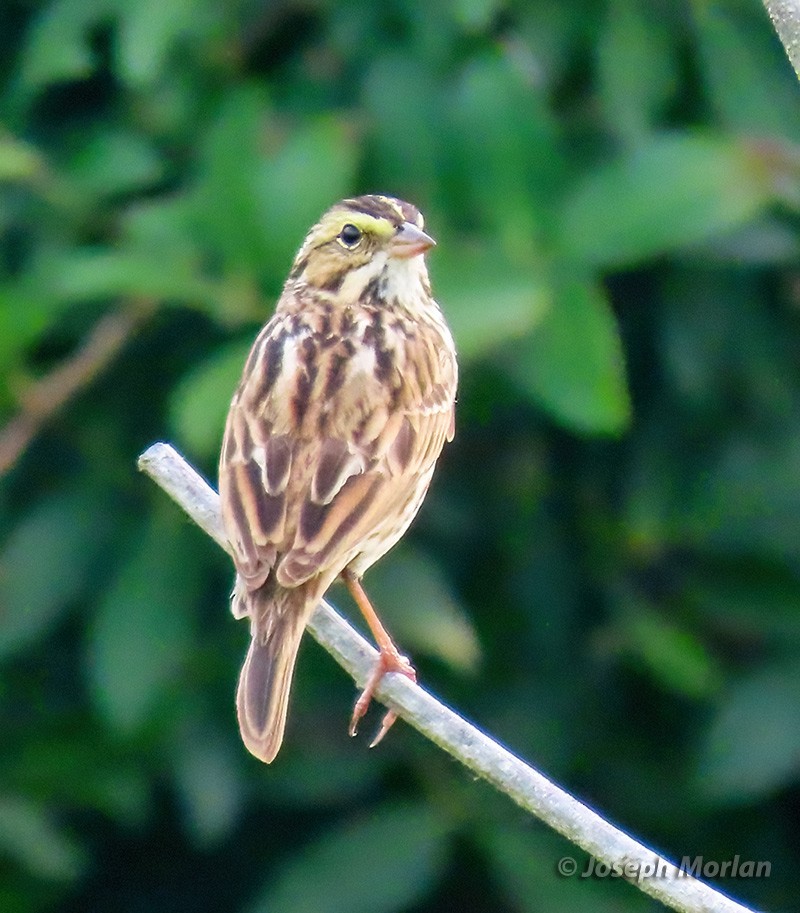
[350,235]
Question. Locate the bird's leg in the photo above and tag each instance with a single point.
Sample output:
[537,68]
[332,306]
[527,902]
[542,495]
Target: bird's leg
[389,660]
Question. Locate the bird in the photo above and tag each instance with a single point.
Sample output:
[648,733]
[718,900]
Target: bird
[344,405]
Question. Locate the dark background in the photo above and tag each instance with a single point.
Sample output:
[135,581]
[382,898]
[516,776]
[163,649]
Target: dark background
[606,573]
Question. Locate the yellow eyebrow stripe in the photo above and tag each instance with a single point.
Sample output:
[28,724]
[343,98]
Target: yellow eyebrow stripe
[334,222]
[368,224]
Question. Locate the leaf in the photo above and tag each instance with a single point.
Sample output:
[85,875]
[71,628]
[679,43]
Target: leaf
[747,502]
[525,864]
[487,299]
[381,863]
[241,203]
[200,402]
[147,31]
[209,781]
[26,310]
[318,161]
[572,363]
[19,161]
[672,191]
[29,835]
[748,78]
[100,273]
[226,215]
[432,620]
[753,601]
[318,778]
[501,151]
[636,69]
[766,241]
[114,161]
[400,99]
[753,745]
[141,635]
[673,656]
[45,564]
[475,15]
[55,764]
[59,46]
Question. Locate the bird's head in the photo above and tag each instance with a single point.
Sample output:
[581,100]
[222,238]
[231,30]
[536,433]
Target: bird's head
[364,240]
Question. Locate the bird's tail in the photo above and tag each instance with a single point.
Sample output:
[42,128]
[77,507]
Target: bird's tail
[278,619]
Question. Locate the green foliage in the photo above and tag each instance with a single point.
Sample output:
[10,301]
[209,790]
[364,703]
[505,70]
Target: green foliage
[523,862]
[201,400]
[349,868]
[606,573]
[573,365]
[64,529]
[136,628]
[753,745]
[671,191]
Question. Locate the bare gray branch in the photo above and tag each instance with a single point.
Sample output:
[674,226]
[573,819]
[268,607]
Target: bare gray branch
[485,757]
[785,16]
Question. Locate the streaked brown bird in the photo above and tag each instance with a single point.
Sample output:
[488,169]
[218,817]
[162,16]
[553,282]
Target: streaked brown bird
[345,403]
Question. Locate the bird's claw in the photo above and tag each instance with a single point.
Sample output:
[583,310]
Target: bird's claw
[388,661]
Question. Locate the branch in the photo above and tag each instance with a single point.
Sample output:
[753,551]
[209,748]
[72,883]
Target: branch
[785,16]
[46,397]
[527,787]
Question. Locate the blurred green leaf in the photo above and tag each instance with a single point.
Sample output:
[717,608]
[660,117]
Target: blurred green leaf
[142,634]
[764,242]
[401,99]
[226,213]
[241,202]
[748,501]
[750,600]
[486,299]
[319,776]
[377,864]
[753,745]
[59,44]
[747,74]
[158,232]
[19,161]
[572,363]
[636,69]
[158,225]
[45,563]
[670,192]
[201,400]
[716,337]
[148,31]
[318,161]
[672,655]
[210,783]
[476,14]
[26,311]
[525,863]
[52,768]
[503,147]
[177,153]
[29,835]
[114,162]
[96,274]
[432,620]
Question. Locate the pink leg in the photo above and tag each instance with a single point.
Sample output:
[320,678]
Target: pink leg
[389,660]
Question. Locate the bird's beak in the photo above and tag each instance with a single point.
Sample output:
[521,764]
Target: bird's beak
[409,241]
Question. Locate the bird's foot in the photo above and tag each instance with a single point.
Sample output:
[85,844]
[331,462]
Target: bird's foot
[389,660]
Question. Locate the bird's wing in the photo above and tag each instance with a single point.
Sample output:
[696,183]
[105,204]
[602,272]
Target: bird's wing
[328,441]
